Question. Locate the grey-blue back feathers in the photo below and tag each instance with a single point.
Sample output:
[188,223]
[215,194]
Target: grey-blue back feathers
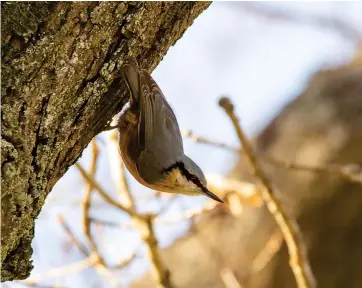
[159,136]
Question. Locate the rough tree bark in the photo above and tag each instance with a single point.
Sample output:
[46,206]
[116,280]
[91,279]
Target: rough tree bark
[60,87]
[323,125]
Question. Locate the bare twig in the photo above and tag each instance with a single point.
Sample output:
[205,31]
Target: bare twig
[235,205]
[125,262]
[229,278]
[247,193]
[61,271]
[122,225]
[198,139]
[99,265]
[102,192]
[35,285]
[351,172]
[298,260]
[188,214]
[158,269]
[100,268]
[72,237]
[87,203]
[267,253]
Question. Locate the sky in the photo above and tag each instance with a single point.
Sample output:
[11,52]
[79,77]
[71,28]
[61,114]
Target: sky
[260,63]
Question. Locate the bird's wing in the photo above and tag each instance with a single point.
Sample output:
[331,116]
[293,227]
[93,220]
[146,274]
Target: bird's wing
[131,72]
[159,133]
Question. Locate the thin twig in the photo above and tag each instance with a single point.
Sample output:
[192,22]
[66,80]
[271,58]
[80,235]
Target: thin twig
[61,271]
[83,249]
[186,215]
[125,262]
[100,268]
[248,193]
[122,225]
[158,269]
[100,265]
[298,260]
[102,192]
[229,278]
[198,139]
[267,253]
[35,285]
[351,172]
[86,204]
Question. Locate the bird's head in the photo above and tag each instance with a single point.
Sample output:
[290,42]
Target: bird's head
[186,177]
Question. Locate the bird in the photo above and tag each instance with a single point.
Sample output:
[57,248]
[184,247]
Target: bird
[150,140]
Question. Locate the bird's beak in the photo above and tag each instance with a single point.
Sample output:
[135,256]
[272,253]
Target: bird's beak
[212,195]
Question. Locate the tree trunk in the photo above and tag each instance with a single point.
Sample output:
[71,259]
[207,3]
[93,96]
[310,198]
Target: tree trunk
[324,125]
[60,87]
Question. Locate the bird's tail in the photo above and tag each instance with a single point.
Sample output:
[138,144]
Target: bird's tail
[131,74]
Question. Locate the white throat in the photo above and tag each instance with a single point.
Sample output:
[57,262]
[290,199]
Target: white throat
[183,182]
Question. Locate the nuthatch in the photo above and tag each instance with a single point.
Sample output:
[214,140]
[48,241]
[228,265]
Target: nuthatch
[150,139]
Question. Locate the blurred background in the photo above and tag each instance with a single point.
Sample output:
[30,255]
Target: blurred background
[294,74]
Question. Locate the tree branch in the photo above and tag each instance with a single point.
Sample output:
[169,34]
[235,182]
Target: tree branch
[98,266]
[298,260]
[351,172]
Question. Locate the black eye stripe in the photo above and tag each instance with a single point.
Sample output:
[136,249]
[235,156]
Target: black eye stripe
[187,174]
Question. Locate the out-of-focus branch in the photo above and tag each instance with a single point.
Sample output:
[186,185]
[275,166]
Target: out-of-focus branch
[267,253]
[159,271]
[61,271]
[102,192]
[198,139]
[351,172]
[34,285]
[298,260]
[144,223]
[188,214]
[122,225]
[229,278]
[236,193]
[99,264]
[87,203]
[100,268]
[125,262]
[72,237]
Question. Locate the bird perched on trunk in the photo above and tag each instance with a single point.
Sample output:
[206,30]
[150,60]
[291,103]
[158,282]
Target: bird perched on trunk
[150,140]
